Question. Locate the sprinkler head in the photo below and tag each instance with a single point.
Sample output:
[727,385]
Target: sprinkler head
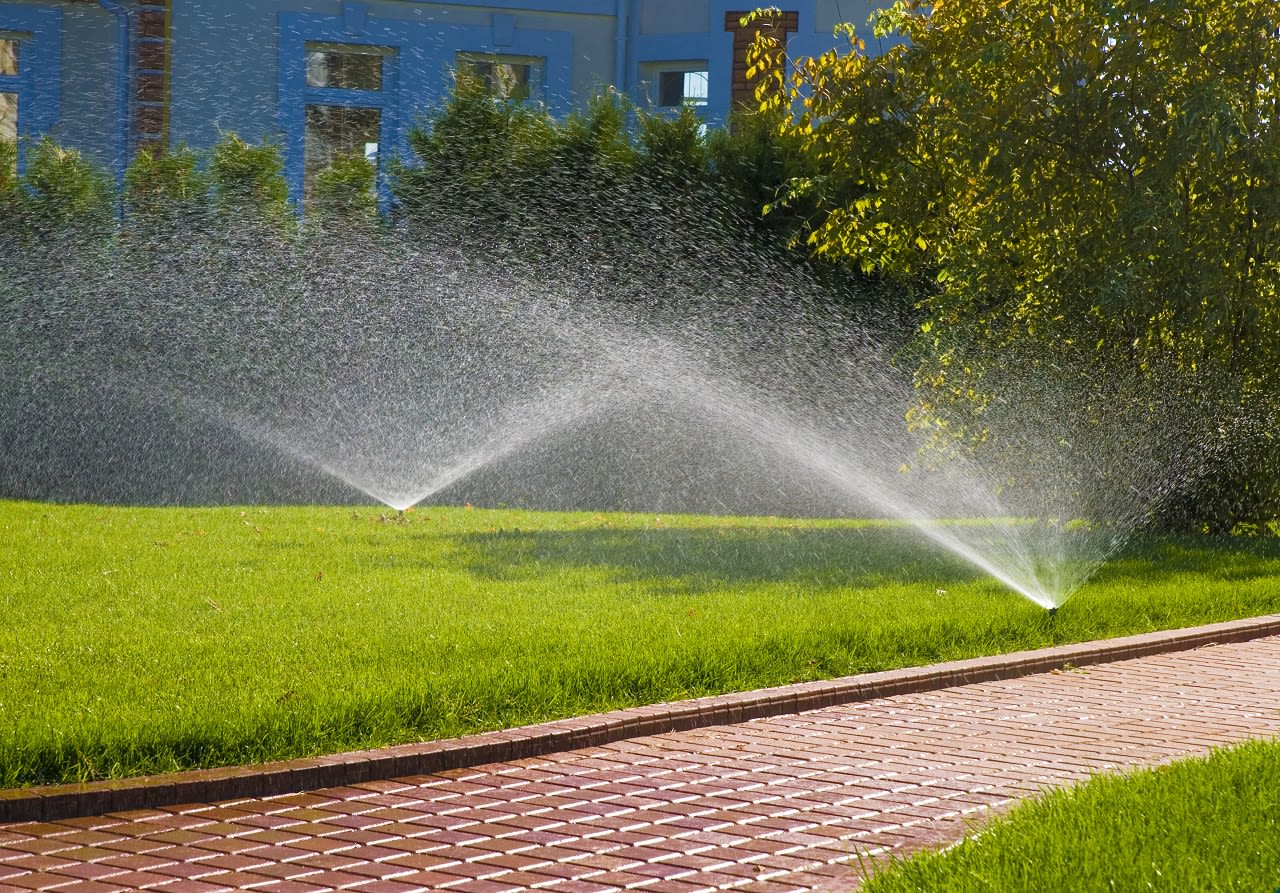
[1053,612]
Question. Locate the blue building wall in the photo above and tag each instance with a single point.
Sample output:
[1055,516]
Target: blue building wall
[91,119]
[237,66]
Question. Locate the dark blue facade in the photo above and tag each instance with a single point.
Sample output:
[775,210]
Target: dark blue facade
[106,76]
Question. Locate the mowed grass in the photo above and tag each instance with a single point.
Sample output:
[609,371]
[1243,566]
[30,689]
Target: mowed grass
[1199,824]
[141,640]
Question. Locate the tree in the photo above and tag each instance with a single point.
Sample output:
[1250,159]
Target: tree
[1086,174]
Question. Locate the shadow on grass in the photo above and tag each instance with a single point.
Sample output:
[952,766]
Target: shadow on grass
[1158,560]
[863,556]
[713,558]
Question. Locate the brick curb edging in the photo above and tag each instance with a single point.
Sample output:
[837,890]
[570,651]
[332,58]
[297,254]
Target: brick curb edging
[57,802]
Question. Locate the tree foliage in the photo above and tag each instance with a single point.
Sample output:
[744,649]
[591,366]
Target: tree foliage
[1096,175]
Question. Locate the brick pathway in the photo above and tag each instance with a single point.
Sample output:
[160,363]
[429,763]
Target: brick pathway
[770,805]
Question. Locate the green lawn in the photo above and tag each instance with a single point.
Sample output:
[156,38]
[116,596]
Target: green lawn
[1202,824]
[150,639]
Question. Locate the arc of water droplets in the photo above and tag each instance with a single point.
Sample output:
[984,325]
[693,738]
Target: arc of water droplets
[522,424]
[751,417]
[732,407]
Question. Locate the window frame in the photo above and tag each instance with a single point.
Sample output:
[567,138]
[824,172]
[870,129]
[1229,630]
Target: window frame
[699,103]
[352,49]
[38,83]
[537,69]
[650,82]
[296,94]
[377,161]
[383,99]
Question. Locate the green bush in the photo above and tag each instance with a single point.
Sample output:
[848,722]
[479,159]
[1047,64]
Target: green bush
[513,164]
[605,198]
[751,162]
[8,164]
[672,149]
[346,191]
[64,191]
[249,179]
[60,194]
[11,196]
[159,183]
[467,157]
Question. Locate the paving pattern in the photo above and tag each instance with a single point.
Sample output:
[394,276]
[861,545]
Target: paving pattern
[790,803]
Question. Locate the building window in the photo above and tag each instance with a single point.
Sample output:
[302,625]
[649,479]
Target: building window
[8,117]
[345,98]
[332,131]
[344,67]
[504,77]
[682,89]
[8,136]
[674,85]
[9,56]
[9,48]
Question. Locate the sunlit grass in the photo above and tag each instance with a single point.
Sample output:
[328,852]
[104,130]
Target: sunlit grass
[1201,824]
[140,640]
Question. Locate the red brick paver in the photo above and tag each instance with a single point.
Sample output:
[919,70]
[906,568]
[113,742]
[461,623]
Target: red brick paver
[786,803]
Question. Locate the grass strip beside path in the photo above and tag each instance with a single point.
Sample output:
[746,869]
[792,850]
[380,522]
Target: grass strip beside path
[1197,824]
[143,640]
